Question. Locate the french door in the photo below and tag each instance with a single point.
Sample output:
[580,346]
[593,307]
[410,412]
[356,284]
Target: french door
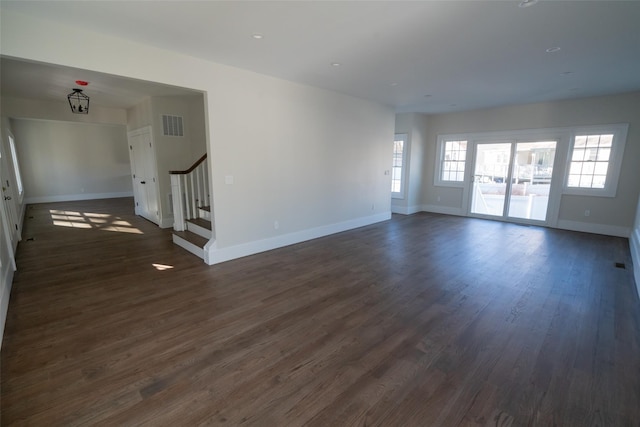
[512,179]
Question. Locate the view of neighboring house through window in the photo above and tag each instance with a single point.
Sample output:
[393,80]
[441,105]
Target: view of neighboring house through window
[453,156]
[595,159]
[398,165]
[590,161]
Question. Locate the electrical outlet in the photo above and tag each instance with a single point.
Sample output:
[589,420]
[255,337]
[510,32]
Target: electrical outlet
[587,212]
[438,198]
[276,225]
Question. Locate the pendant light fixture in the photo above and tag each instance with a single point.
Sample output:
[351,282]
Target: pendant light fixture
[78,101]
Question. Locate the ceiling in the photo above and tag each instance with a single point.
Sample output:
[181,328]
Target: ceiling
[31,80]
[416,56]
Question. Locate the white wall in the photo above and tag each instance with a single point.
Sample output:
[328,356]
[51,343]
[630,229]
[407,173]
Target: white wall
[309,158]
[139,115]
[72,161]
[607,213]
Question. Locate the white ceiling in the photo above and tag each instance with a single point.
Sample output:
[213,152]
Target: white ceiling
[464,54]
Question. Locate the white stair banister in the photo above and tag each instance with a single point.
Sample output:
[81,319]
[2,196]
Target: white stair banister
[190,191]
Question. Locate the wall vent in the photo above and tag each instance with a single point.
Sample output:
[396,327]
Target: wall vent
[172,125]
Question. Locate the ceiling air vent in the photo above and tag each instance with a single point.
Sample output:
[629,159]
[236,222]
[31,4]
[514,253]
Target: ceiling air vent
[172,125]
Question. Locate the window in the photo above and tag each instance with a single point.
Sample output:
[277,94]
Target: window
[16,167]
[452,155]
[398,165]
[594,160]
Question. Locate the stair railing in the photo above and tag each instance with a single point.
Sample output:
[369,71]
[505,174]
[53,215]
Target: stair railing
[189,191]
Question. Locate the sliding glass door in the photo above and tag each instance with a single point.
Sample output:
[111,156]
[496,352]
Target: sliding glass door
[512,179]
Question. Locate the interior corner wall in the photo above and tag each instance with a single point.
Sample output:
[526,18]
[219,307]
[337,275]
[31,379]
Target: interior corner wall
[64,161]
[174,152]
[415,126]
[607,213]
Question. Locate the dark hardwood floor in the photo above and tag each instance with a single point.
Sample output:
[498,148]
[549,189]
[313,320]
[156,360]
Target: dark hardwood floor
[424,320]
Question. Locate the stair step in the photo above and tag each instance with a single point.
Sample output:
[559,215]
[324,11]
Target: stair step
[192,242]
[205,212]
[201,222]
[200,226]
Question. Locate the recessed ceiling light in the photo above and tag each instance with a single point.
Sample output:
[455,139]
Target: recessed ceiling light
[428,96]
[566,73]
[553,49]
[257,36]
[394,84]
[335,64]
[527,3]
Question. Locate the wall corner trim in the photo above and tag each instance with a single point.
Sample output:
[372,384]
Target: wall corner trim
[406,210]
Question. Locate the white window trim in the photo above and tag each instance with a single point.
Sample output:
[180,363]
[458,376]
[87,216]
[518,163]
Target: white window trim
[619,132]
[403,176]
[442,139]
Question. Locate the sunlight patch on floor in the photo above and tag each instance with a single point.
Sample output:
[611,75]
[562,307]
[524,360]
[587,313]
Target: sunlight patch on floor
[162,267]
[89,220]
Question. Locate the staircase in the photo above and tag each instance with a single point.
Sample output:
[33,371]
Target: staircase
[192,221]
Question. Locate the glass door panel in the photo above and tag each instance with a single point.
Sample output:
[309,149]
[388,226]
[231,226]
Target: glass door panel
[531,180]
[490,177]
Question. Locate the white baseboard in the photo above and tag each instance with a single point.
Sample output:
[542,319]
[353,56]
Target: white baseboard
[5,294]
[406,210]
[634,244]
[166,222]
[74,197]
[215,255]
[447,210]
[586,227]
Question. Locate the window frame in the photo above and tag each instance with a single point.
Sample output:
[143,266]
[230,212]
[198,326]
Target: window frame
[404,137]
[618,144]
[441,151]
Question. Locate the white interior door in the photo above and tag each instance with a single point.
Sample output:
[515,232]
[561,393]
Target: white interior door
[9,204]
[143,171]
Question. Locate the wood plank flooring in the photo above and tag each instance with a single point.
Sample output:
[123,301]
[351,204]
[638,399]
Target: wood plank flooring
[424,320]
